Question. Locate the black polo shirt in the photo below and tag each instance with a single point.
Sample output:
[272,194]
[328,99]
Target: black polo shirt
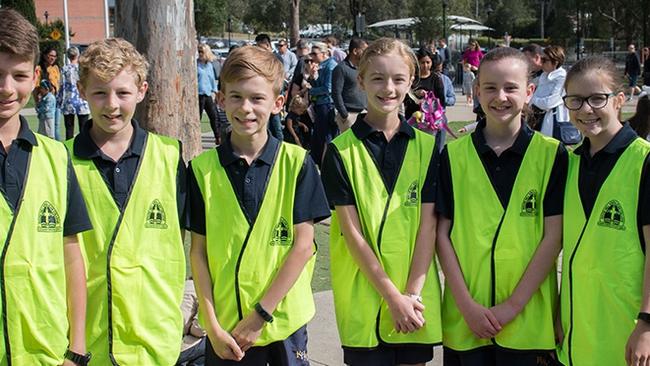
[250,182]
[502,171]
[14,165]
[388,157]
[119,175]
[595,169]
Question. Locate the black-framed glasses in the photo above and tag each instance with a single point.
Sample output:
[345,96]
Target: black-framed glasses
[595,101]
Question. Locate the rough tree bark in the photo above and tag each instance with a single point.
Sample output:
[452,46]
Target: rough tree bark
[295,22]
[163,30]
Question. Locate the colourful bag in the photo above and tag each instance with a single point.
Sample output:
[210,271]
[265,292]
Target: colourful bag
[431,117]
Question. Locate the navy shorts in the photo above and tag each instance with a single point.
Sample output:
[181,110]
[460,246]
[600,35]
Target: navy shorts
[632,79]
[388,355]
[290,352]
[494,356]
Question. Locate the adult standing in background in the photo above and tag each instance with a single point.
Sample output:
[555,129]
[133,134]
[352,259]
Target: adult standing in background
[473,55]
[48,69]
[534,54]
[632,69]
[445,55]
[333,43]
[71,102]
[302,53]
[288,58]
[320,79]
[349,99]
[207,83]
[548,94]
[645,52]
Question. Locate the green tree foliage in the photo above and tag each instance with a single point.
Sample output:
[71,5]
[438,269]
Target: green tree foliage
[210,16]
[24,7]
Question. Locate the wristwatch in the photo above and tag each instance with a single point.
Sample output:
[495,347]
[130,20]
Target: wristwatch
[645,317]
[263,313]
[78,359]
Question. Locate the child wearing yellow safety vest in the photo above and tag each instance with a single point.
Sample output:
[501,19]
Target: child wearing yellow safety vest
[133,183]
[253,202]
[500,210]
[43,282]
[380,180]
[605,294]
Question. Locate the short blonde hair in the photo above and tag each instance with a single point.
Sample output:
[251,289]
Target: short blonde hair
[249,61]
[385,46]
[108,57]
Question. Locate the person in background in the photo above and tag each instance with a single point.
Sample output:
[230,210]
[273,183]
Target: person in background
[473,55]
[208,89]
[547,98]
[468,83]
[445,55]
[333,44]
[534,54]
[645,53]
[640,122]
[70,101]
[45,109]
[632,69]
[320,93]
[49,70]
[288,58]
[349,99]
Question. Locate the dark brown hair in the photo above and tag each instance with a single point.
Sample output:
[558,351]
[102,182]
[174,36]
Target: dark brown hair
[18,36]
[640,122]
[555,54]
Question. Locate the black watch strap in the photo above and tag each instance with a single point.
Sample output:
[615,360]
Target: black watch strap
[77,358]
[644,316]
[263,313]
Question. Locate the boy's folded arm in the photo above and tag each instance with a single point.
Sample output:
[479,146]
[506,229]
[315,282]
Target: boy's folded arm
[75,278]
[425,246]
[222,342]
[203,281]
[540,265]
[287,275]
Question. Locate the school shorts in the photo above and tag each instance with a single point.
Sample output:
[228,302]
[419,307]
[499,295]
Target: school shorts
[495,356]
[289,352]
[632,80]
[388,355]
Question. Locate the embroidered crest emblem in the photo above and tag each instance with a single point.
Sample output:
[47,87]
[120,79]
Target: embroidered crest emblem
[49,220]
[281,233]
[529,204]
[156,218]
[612,216]
[412,195]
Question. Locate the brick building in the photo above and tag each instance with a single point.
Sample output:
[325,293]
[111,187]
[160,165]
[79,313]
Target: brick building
[86,17]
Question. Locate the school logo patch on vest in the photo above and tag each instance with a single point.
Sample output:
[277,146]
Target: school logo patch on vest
[529,204]
[281,233]
[412,195]
[156,218]
[612,216]
[49,220]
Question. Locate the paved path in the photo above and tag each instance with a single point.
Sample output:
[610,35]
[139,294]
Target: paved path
[324,347]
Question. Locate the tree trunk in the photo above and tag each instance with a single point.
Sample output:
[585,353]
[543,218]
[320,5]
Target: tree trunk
[295,21]
[163,31]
